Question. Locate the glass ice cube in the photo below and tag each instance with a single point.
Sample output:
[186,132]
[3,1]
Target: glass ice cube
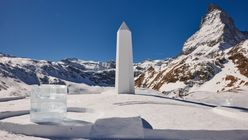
[48,103]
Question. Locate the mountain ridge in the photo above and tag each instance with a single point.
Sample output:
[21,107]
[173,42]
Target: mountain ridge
[19,73]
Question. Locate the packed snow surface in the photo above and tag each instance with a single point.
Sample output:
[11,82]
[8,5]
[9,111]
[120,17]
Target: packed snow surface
[159,111]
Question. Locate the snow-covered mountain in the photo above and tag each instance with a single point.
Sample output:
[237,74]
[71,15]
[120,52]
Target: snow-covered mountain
[213,59]
[16,73]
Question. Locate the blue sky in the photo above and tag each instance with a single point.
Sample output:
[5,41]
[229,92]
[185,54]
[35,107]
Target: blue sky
[86,29]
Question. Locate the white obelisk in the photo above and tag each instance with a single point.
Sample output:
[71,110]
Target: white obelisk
[124,80]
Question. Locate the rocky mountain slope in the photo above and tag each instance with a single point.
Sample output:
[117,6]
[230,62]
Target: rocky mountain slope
[17,74]
[21,72]
[213,59]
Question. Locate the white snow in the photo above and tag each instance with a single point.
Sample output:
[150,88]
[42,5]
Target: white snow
[10,136]
[245,44]
[226,112]
[172,86]
[160,112]
[218,82]
[237,99]
[14,88]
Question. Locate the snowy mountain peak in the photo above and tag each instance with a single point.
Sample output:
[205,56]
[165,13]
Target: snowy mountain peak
[215,56]
[212,7]
[216,15]
[5,55]
[217,32]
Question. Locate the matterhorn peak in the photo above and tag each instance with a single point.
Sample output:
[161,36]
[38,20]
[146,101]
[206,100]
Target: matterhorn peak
[215,15]
[212,7]
[217,29]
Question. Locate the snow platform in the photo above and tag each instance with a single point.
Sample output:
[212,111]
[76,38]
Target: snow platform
[101,116]
[119,128]
[107,128]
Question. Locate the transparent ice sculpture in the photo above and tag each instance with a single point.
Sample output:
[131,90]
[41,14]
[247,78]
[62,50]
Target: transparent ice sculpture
[48,103]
